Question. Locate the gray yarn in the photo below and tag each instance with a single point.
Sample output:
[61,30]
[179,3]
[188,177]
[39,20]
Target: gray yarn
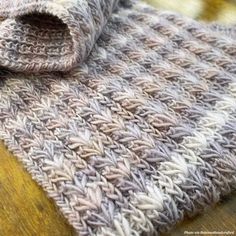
[50,43]
[138,134]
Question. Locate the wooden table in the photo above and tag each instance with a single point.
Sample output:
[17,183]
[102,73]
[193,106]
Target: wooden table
[25,209]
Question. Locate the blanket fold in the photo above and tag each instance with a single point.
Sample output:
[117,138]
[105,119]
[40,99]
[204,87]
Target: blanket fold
[50,35]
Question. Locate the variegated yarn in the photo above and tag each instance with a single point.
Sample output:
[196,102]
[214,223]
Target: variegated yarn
[138,134]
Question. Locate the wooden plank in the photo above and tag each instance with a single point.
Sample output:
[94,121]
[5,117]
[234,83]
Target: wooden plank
[25,209]
[220,218]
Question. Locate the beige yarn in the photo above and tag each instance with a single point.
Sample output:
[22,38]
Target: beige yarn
[51,35]
[138,134]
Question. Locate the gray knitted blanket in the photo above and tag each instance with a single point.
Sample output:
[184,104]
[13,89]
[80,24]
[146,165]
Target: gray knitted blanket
[126,116]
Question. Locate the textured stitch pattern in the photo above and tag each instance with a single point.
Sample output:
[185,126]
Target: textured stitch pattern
[140,134]
[48,35]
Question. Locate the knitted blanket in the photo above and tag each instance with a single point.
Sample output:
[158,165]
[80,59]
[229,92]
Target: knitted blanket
[126,116]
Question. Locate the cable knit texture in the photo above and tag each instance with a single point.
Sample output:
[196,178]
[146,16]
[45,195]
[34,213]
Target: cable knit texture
[140,134]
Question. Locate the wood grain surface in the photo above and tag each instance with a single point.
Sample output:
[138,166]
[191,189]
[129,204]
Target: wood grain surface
[25,209]
[217,220]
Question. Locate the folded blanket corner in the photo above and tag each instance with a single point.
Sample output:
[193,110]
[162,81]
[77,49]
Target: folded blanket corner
[47,35]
